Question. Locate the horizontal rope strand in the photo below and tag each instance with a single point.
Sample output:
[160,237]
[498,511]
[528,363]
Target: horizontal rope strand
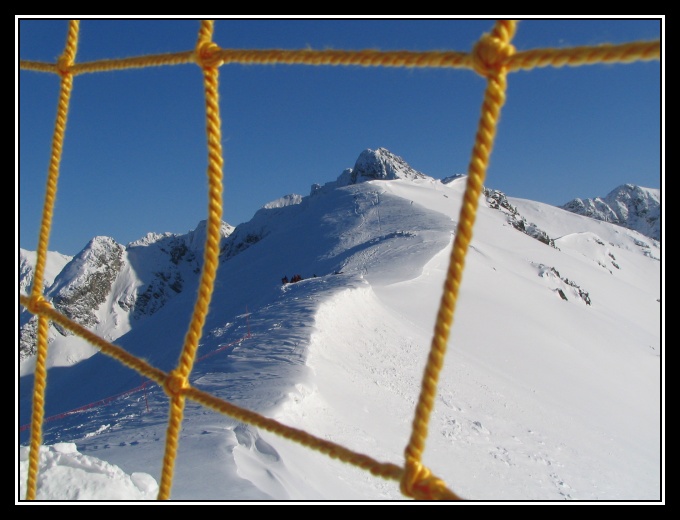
[582,55]
[336,451]
[104,346]
[591,55]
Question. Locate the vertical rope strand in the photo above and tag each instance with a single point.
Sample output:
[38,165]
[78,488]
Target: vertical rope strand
[40,374]
[206,58]
[63,64]
[488,58]
[38,411]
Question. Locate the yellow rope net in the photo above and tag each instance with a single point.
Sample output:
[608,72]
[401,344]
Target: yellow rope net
[493,56]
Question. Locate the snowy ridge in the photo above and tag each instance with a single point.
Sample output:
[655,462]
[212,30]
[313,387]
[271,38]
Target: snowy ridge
[286,200]
[549,390]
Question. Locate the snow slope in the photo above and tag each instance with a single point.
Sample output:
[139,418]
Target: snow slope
[540,398]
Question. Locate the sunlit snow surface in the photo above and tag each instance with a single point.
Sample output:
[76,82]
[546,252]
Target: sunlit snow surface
[540,397]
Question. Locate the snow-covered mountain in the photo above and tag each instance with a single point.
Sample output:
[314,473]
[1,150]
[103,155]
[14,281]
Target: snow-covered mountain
[380,164]
[109,287]
[550,389]
[55,263]
[633,207]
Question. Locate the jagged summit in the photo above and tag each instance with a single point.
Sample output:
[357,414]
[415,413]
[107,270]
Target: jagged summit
[630,206]
[371,165]
[195,239]
[108,286]
[380,164]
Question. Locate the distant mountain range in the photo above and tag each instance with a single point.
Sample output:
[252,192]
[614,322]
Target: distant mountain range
[108,287]
[632,207]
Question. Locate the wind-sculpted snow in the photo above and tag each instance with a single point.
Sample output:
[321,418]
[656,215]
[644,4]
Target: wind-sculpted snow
[286,200]
[87,478]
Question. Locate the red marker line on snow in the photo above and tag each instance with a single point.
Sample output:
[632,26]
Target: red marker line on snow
[109,400]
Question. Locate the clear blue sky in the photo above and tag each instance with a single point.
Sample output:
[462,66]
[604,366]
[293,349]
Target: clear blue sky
[135,153]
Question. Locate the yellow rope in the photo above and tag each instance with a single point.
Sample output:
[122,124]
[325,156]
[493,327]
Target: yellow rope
[173,383]
[40,373]
[335,451]
[491,53]
[42,308]
[492,57]
[573,56]
[180,375]
[138,62]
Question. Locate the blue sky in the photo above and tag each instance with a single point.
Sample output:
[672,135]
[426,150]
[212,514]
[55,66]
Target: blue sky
[135,155]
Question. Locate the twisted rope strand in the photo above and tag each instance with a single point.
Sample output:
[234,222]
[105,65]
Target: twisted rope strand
[40,373]
[44,309]
[173,383]
[591,55]
[210,66]
[493,53]
[333,450]
[38,409]
[363,58]
[521,60]
[108,65]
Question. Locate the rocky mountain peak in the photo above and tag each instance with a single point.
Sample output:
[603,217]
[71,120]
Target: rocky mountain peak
[633,207]
[380,164]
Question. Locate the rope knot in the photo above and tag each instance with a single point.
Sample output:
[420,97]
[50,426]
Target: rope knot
[208,55]
[414,481]
[418,482]
[490,54]
[37,304]
[64,64]
[174,384]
